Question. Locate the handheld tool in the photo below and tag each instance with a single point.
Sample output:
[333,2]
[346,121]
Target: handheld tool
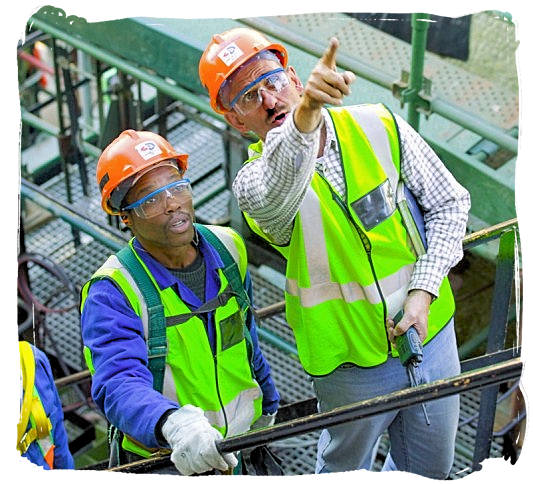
[410,352]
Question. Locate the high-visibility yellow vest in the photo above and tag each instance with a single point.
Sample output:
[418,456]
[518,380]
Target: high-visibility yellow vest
[32,411]
[349,261]
[223,384]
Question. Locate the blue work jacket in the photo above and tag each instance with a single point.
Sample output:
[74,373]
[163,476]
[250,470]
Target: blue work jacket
[122,382]
[44,381]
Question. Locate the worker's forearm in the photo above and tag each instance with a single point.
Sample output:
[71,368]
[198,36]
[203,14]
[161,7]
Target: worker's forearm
[445,204]
[270,189]
[307,117]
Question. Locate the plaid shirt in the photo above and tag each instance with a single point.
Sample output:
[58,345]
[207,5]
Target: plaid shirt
[272,188]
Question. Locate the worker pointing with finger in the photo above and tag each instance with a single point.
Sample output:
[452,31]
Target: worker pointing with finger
[321,186]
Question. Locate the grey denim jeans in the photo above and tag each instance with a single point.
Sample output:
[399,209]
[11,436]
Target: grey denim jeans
[415,446]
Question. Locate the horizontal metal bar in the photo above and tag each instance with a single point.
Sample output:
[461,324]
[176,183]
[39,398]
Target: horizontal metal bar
[493,375]
[270,310]
[100,232]
[489,233]
[159,83]
[48,128]
[490,359]
[475,124]
[75,377]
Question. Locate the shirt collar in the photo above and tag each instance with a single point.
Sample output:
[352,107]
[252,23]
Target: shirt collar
[331,139]
[162,275]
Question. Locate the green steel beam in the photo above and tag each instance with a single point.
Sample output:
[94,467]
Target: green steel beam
[172,48]
[419,25]
[492,196]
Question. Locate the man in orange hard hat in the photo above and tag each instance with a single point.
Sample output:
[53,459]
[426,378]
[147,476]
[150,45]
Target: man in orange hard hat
[324,186]
[166,322]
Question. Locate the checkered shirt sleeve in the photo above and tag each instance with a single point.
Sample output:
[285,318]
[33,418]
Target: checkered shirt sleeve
[445,204]
[271,188]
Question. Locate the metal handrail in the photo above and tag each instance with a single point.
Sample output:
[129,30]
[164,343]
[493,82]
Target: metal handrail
[471,380]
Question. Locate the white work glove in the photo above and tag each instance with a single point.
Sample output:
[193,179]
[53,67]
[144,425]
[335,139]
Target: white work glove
[264,421]
[192,440]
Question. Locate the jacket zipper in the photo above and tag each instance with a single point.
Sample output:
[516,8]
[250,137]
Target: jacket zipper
[368,249]
[215,361]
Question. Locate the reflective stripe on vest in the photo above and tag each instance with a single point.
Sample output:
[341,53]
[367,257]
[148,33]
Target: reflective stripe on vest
[32,411]
[349,261]
[202,380]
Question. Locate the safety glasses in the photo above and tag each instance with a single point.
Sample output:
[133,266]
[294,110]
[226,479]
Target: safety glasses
[155,202]
[249,98]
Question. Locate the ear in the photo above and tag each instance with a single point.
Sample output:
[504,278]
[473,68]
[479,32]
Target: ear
[125,219]
[295,79]
[234,120]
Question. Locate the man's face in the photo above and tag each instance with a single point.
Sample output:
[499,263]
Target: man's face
[274,106]
[173,226]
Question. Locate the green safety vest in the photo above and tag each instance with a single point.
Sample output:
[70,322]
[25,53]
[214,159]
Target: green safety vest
[223,385]
[349,262]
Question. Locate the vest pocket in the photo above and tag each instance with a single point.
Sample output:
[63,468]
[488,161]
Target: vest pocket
[376,206]
[231,330]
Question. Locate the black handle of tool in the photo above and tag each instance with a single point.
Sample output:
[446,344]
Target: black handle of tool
[408,344]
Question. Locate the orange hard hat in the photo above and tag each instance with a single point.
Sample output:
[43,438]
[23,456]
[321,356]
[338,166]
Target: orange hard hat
[127,155]
[227,52]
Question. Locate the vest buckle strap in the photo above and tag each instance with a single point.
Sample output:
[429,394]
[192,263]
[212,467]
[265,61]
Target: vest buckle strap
[157,351]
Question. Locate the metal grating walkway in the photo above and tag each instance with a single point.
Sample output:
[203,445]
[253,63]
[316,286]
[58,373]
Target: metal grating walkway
[468,85]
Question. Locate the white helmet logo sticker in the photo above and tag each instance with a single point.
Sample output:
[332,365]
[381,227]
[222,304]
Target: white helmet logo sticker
[230,53]
[148,149]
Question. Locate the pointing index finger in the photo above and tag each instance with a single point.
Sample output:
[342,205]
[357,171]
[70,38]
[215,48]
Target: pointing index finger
[328,59]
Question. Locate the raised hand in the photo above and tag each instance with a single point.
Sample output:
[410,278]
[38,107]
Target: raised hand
[324,86]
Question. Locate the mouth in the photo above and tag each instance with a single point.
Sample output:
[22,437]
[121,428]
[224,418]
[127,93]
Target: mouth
[278,118]
[180,223]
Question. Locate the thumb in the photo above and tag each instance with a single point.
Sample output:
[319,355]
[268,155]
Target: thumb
[328,59]
[231,460]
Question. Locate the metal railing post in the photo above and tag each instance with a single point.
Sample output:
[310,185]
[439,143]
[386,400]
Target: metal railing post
[503,282]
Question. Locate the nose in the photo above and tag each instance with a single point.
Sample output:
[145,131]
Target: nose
[172,203]
[269,98]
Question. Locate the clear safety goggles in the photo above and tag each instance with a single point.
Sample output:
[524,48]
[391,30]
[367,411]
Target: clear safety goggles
[155,202]
[249,98]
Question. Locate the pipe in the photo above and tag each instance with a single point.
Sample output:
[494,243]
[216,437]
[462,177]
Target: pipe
[489,233]
[74,377]
[35,62]
[474,124]
[420,26]
[485,377]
